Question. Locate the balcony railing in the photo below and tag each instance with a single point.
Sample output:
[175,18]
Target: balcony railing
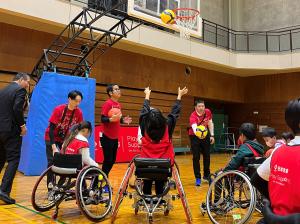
[281,40]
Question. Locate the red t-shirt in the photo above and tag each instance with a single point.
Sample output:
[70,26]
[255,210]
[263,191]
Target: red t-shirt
[161,150]
[75,145]
[64,126]
[110,129]
[284,182]
[200,120]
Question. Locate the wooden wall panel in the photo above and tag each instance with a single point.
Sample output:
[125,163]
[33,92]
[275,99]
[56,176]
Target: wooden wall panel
[272,88]
[269,96]
[138,71]
[20,48]
[271,114]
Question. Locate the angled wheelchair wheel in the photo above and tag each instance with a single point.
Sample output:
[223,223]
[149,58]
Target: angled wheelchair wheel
[182,195]
[230,198]
[93,193]
[122,191]
[46,193]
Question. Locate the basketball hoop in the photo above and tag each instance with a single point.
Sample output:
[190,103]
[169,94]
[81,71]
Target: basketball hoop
[186,19]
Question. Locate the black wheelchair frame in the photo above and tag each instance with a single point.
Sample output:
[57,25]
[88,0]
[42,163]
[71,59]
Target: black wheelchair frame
[68,180]
[151,169]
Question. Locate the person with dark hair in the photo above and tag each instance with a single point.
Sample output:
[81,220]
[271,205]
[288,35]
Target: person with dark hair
[111,127]
[249,147]
[12,128]
[269,136]
[62,119]
[77,142]
[287,137]
[281,169]
[201,116]
[157,133]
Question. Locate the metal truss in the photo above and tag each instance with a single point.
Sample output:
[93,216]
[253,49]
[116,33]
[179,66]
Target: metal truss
[85,39]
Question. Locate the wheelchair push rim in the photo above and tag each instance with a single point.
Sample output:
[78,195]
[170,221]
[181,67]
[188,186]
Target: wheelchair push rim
[93,193]
[233,198]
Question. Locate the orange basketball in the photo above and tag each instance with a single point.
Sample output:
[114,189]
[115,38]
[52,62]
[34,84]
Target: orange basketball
[114,111]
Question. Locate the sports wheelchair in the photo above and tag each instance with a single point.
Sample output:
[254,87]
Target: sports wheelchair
[68,180]
[153,170]
[231,198]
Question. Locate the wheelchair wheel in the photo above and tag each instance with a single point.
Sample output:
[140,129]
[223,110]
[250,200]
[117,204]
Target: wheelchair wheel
[230,198]
[93,193]
[46,194]
[122,191]
[182,195]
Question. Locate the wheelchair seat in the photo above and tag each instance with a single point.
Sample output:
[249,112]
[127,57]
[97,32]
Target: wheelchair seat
[251,164]
[149,169]
[66,163]
[271,218]
[153,169]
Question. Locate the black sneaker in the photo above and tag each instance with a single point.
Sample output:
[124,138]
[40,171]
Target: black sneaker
[8,200]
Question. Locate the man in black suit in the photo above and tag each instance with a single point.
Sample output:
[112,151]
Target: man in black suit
[12,128]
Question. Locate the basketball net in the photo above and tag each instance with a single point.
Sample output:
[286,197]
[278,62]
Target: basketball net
[186,20]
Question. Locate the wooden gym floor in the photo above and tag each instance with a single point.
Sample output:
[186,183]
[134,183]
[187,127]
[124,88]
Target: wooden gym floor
[22,212]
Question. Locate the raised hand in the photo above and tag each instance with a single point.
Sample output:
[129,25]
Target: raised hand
[147,92]
[182,92]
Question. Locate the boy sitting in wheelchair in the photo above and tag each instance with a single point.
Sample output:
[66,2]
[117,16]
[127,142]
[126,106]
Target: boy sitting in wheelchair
[248,149]
[221,194]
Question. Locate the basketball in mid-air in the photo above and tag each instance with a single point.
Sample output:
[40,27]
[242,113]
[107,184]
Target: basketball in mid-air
[167,16]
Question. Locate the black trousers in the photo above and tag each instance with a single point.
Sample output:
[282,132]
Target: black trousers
[10,151]
[49,154]
[199,146]
[110,147]
[159,187]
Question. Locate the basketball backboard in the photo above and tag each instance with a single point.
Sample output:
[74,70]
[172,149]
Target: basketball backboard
[150,10]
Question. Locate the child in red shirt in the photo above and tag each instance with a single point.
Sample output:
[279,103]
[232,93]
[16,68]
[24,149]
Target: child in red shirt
[77,142]
[157,135]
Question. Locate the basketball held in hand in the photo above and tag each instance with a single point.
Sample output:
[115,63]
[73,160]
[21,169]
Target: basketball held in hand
[116,112]
[201,131]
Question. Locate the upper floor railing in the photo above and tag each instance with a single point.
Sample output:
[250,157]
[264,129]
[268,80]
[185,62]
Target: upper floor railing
[281,40]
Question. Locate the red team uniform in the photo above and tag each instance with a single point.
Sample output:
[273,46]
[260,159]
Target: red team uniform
[284,182]
[109,139]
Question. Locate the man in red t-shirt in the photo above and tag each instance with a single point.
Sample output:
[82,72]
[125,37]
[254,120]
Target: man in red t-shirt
[62,119]
[111,127]
[201,116]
